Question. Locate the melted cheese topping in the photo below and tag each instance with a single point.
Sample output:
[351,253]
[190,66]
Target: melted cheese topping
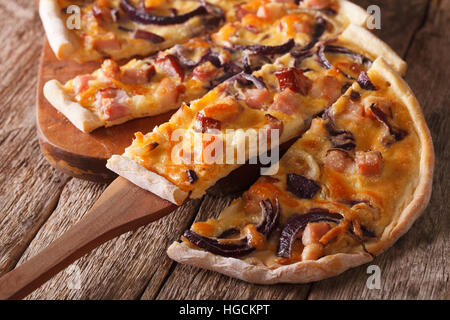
[160,159]
[94,32]
[278,23]
[254,22]
[371,201]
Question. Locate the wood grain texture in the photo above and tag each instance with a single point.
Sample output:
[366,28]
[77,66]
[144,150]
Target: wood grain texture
[186,282]
[400,21]
[29,187]
[121,268]
[135,265]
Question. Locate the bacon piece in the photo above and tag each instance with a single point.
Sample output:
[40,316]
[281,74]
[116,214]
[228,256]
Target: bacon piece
[113,103]
[294,79]
[338,160]
[258,98]
[103,14]
[138,75]
[111,69]
[327,87]
[313,250]
[205,72]
[171,66]
[167,93]
[354,112]
[286,102]
[203,123]
[81,83]
[109,43]
[313,232]
[369,163]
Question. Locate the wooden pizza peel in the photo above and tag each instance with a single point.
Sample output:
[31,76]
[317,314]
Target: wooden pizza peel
[121,208]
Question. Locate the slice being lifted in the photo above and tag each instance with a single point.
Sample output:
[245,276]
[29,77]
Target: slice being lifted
[281,98]
[345,192]
[113,94]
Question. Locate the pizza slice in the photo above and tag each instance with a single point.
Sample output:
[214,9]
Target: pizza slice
[185,156]
[86,30]
[95,29]
[344,192]
[115,94]
[145,87]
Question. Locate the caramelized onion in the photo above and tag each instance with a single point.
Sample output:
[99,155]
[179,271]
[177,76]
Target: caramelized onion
[268,50]
[341,139]
[395,133]
[359,58]
[214,246]
[365,83]
[302,187]
[244,77]
[142,16]
[237,247]
[297,223]
[146,35]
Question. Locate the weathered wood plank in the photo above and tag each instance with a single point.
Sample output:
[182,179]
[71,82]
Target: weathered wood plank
[188,282]
[135,264]
[416,267]
[399,21]
[29,187]
[121,268]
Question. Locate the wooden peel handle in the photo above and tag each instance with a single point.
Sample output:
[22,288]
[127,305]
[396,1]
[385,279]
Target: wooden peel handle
[121,208]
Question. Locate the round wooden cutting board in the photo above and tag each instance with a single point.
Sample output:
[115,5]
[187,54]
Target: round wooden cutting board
[84,155]
[68,149]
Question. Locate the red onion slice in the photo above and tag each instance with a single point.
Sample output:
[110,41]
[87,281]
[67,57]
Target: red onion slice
[259,84]
[359,58]
[341,139]
[301,186]
[365,83]
[141,16]
[237,247]
[395,133]
[271,215]
[298,223]
[268,50]
[216,247]
[146,35]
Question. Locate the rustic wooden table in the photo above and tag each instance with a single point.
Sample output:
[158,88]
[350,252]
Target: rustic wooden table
[37,203]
